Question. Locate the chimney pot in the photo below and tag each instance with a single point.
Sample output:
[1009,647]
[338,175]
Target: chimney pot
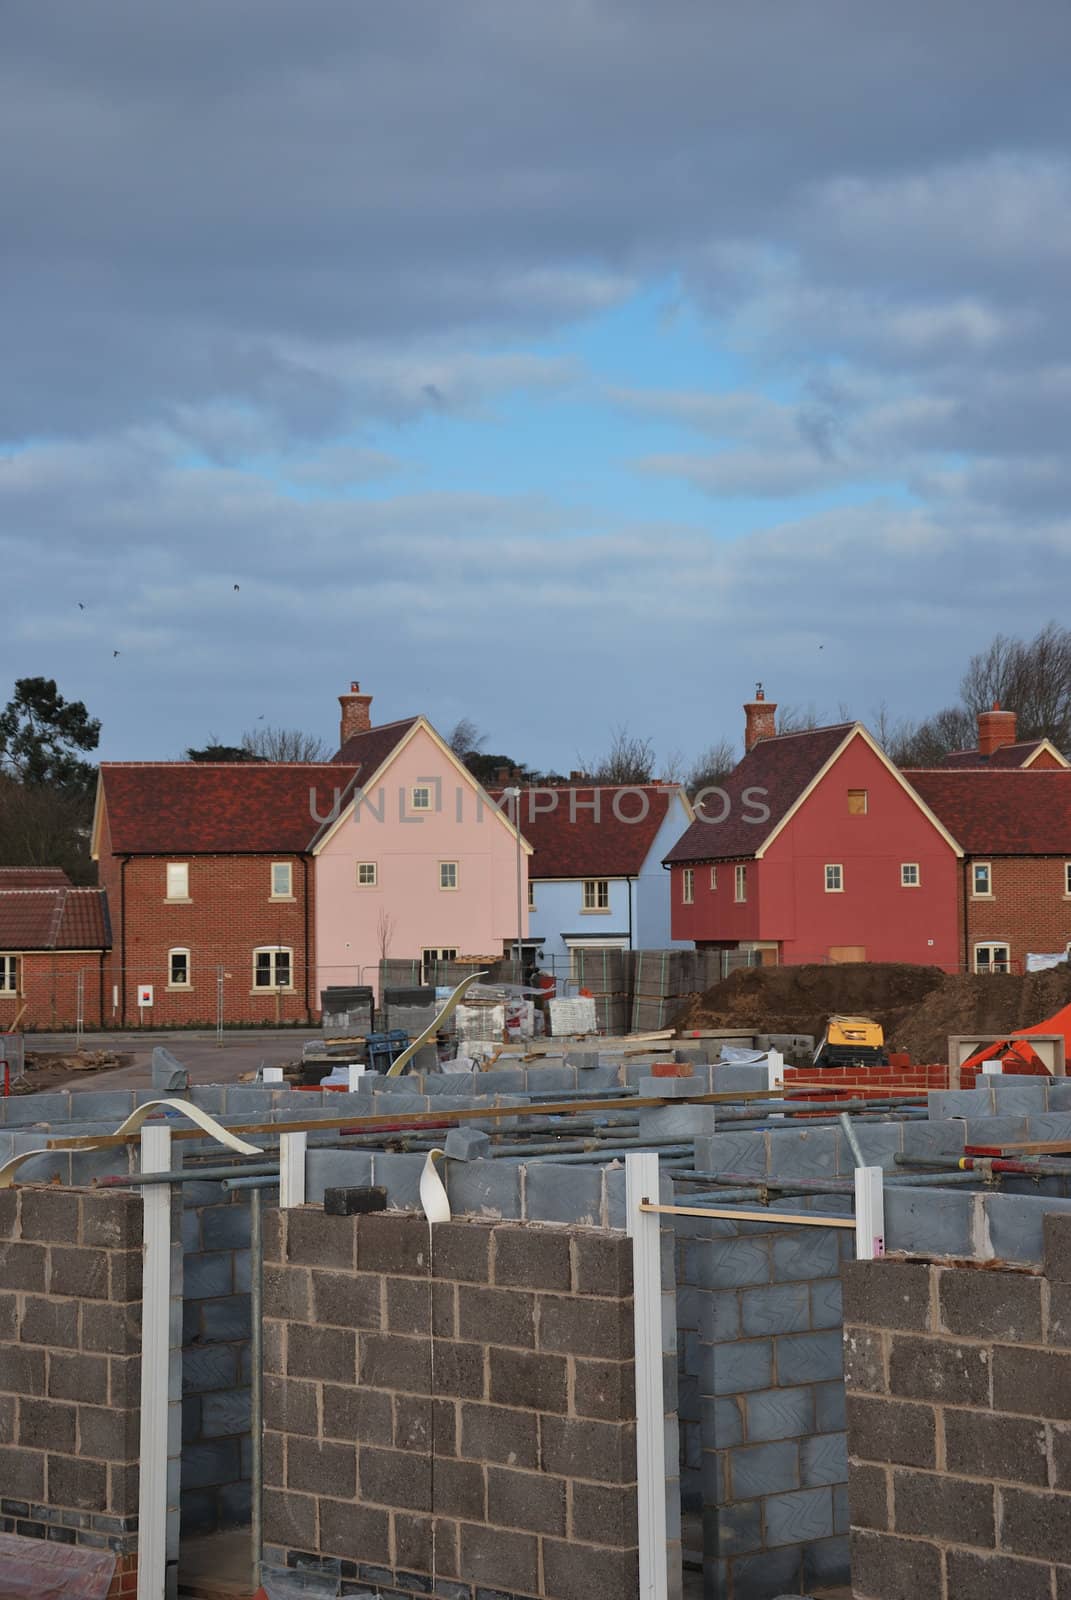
[356,714]
[760,719]
[996,729]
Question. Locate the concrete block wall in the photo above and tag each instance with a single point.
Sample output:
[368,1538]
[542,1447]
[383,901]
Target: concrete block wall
[216,1331]
[449,1411]
[959,1427]
[70,1345]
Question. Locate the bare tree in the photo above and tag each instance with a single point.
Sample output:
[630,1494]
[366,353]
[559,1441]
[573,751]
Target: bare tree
[711,767]
[384,933]
[796,719]
[1031,677]
[925,744]
[465,738]
[285,744]
[630,759]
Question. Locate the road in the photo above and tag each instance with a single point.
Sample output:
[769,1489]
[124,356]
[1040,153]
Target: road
[207,1061]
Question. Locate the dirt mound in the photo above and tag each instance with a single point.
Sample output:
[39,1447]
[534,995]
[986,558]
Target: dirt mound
[918,1007]
[800,999]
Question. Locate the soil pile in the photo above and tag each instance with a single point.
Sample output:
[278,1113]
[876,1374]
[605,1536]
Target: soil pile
[918,1007]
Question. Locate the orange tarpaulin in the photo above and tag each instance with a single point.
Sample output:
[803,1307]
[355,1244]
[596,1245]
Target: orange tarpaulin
[1059,1022]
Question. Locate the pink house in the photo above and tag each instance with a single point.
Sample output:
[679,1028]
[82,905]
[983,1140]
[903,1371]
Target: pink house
[415,861]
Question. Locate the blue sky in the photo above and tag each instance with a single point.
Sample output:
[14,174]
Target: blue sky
[562,368]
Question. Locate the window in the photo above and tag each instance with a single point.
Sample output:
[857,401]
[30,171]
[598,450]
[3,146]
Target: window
[740,885]
[688,880]
[367,875]
[273,968]
[178,969]
[992,958]
[1067,877]
[421,798]
[834,878]
[447,874]
[981,880]
[178,880]
[282,880]
[713,877]
[857,805]
[430,959]
[596,894]
[909,875]
[531,895]
[9,974]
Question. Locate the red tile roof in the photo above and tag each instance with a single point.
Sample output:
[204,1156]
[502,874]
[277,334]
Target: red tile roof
[369,750]
[34,878]
[224,808]
[568,841]
[782,768]
[1009,755]
[54,919]
[1013,812]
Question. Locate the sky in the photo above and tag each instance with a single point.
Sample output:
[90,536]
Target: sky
[563,366]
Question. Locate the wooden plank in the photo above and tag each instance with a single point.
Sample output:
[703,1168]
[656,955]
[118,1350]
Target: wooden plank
[395,1121]
[1038,1147]
[802,1219]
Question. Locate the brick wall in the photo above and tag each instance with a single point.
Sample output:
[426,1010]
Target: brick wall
[959,1427]
[48,988]
[70,1341]
[215,1359]
[229,914]
[1029,910]
[449,1422]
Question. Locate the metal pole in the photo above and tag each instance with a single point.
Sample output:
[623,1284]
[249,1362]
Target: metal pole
[520,896]
[641,1183]
[219,1007]
[79,1025]
[155,1363]
[256,1422]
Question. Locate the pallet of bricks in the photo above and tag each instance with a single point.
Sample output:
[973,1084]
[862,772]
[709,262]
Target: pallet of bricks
[662,981]
[603,974]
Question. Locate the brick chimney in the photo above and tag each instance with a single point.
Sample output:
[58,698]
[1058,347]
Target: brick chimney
[761,715]
[996,728]
[355,713]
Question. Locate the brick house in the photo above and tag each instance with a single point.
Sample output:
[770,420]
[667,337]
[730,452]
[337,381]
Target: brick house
[816,848]
[54,950]
[242,889]
[595,879]
[1014,826]
[998,746]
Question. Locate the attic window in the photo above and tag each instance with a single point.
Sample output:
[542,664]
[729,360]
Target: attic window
[857,806]
[421,798]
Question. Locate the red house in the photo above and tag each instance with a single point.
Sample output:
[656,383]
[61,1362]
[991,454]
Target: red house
[816,848]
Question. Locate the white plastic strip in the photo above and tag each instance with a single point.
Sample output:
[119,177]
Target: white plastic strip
[433,1195]
[133,1124]
[155,1342]
[293,1148]
[869,1213]
[397,1067]
[641,1183]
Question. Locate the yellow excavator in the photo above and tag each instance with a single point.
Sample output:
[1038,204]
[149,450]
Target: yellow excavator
[852,1042]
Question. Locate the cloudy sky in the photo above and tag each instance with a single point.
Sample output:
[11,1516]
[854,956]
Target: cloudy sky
[558,364]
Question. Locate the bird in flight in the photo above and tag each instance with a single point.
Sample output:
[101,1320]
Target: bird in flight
[81,607]
[236,588]
[114,654]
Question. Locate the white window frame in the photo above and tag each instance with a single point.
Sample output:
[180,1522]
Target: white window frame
[177,872]
[432,955]
[531,894]
[688,886]
[288,868]
[905,881]
[740,884]
[987,892]
[713,877]
[9,973]
[866,802]
[446,868]
[367,883]
[274,951]
[1067,880]
[179,950]
[595,896]
[424,804]
[834,877]
[991,966]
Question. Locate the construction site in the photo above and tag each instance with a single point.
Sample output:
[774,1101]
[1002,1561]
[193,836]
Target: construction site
[446,1309]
